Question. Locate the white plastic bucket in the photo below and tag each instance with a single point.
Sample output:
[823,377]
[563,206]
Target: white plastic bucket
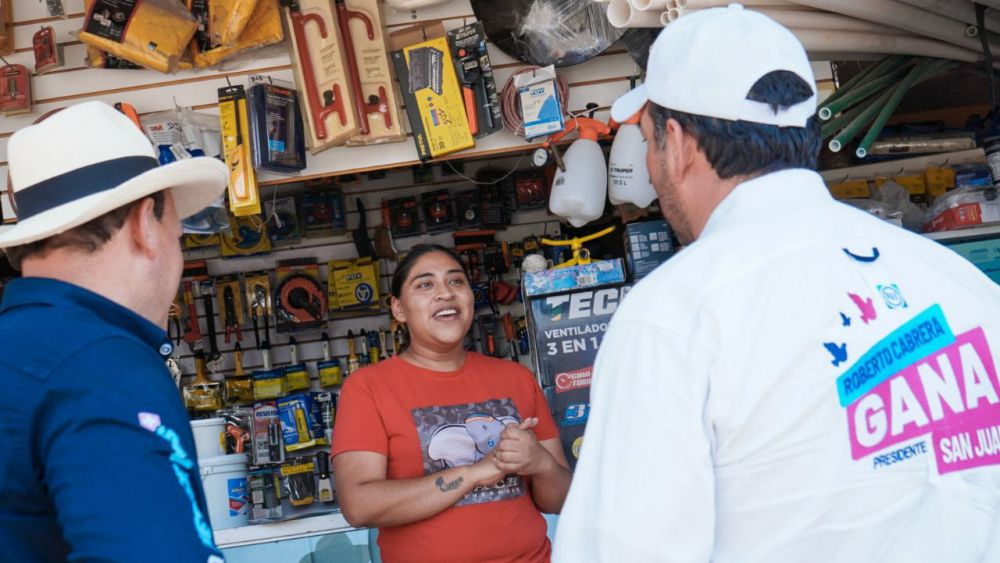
[224,479]
[208,439]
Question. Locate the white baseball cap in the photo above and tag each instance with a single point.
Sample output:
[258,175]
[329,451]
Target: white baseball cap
[706,62]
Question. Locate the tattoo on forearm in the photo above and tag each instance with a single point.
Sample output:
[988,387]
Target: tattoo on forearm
[445,487]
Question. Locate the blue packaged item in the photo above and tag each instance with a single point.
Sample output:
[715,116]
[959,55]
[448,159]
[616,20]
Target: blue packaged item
[276,132]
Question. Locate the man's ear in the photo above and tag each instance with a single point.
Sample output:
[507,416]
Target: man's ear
[681,150]
[141,223]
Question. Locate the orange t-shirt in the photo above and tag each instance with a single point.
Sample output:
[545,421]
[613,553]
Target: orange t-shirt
[425,421]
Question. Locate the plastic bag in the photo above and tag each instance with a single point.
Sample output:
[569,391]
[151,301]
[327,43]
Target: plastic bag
[158,30]
[227,19]
[264,28]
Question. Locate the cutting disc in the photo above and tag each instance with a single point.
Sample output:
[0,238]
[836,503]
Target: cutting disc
[544,32]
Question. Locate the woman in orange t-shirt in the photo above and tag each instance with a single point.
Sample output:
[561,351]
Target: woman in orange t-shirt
[451,454]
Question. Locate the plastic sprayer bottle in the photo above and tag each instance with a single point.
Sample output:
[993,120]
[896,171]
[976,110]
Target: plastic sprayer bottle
[628,176]
[579,189]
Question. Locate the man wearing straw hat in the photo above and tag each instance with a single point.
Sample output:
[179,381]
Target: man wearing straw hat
[97,460]
[803,382]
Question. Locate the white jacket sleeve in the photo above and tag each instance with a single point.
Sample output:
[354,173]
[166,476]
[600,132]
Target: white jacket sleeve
[643,489]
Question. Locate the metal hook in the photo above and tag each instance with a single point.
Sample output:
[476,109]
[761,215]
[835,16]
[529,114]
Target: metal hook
[900,171]
[846,177]
[5,61]
[228,83]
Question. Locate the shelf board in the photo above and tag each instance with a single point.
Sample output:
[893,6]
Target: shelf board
[990,229]
[280,531]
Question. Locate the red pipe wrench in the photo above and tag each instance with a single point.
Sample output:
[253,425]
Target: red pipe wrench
[332,102]
[362,104]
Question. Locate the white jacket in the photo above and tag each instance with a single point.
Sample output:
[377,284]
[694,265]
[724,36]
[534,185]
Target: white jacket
[804,383]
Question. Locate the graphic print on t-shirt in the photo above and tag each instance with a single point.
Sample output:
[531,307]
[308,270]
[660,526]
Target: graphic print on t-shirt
[923,379]
[455,435]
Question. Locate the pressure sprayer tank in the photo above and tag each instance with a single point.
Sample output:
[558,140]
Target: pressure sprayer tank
[578,194]
[628,176]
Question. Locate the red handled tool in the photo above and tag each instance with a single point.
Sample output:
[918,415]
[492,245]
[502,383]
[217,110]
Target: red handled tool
[332,102]
[363,105]
[192,332]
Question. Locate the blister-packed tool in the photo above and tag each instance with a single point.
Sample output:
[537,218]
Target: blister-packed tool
[15,90]
[321,74]
[376,100]
[48,53]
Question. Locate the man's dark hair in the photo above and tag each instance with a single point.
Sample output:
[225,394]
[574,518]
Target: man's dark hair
[737,148]
[406,264]
[88,237]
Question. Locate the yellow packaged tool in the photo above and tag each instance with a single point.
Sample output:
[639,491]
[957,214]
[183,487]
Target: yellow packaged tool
[258,287]
[851,189]
[196,240]
[239,386]
[375,88]
[244,198]
[299,482]
[321,74]
[264,28]
[939,180]
[151,33]
[914,183]
[227,20]
[247,236]
[434,102]
[353,284]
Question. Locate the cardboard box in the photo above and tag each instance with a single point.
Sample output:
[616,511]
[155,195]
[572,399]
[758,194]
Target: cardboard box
[560,280]
[566,331]
[649,244]
[434,103]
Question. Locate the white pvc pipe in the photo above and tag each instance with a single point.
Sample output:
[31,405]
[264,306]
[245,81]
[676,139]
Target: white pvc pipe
[863,42]
[648,5]
[826,21]
[621,15]
[904,16]
[961,10]
[702,4]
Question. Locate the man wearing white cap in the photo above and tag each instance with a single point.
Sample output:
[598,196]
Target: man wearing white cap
[802,382]
[97,460]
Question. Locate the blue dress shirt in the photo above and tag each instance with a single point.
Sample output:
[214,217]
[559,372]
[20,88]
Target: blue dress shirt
[97,459]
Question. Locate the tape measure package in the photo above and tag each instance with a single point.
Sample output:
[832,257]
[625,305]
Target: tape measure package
[264,28]
[353,284]
[247,236]
[151,33]
[299,298]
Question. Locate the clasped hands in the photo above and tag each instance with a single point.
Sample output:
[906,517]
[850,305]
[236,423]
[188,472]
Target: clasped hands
[518,452]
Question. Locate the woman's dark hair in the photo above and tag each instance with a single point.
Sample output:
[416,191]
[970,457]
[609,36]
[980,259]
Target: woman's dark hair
[406,264]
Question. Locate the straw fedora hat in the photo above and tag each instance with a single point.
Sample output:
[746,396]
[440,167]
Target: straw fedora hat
[89,159]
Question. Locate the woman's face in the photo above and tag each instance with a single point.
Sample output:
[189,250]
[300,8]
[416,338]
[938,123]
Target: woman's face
[436,302]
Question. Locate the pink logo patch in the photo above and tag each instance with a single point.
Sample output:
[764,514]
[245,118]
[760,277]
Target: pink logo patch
[149,421]
[953,393]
